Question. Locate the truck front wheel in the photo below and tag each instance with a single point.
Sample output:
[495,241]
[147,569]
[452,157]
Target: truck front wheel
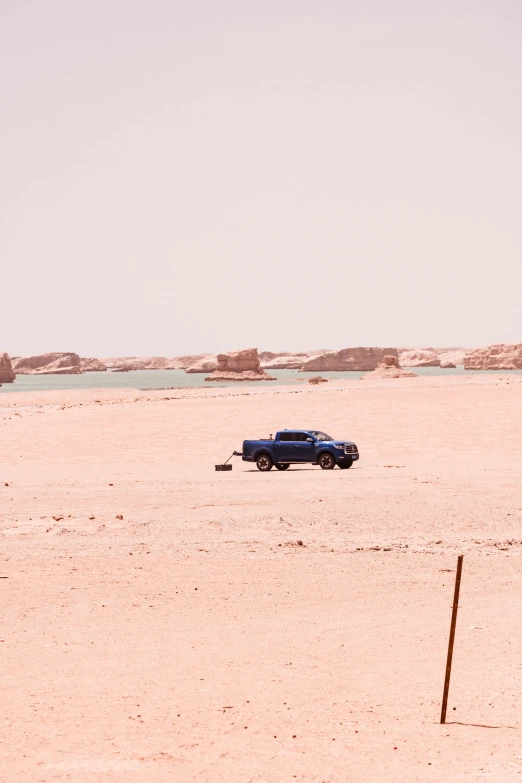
[346,465]
[264,462]
[326,461]
[282,465]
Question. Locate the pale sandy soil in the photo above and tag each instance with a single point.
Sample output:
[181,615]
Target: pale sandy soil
[195,640]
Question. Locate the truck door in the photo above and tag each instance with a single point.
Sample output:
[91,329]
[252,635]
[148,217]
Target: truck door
[287,450]
[306,450]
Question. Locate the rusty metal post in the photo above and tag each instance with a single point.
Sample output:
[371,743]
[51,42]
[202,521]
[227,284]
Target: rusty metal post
[451,639]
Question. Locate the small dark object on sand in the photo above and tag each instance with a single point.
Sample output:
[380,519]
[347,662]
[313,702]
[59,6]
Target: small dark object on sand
[225,465]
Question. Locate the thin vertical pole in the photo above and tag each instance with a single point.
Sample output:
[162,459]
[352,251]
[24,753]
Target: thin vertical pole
[451,640]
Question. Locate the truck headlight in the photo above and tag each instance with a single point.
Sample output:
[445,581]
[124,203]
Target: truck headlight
[337,447]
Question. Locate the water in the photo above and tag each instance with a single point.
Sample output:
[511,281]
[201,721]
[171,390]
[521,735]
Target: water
[179,379]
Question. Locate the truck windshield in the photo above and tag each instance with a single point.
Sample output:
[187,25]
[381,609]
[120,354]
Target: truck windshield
[320,435]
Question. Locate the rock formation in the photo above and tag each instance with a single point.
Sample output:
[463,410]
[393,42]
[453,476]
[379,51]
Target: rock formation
[206,364]
[54,362]
[239,366]
[502,356]
[126,363]
[390,368]
[153,363]
[315,379]
[266,356]
[183,362]
[48,364]
[427,357]
[92,365]
[64,365]
[283,361]
[348,359]
[448,366]
[6,369]
[419,358]
[452,355]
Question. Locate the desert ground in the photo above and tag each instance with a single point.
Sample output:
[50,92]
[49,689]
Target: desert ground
[161,622]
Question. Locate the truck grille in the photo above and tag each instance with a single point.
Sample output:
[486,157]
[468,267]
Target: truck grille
[350,449]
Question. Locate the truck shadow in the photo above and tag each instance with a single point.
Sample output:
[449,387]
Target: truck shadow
[255,470]
[477,725]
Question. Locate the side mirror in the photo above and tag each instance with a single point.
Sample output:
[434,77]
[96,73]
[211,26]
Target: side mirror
[309,440]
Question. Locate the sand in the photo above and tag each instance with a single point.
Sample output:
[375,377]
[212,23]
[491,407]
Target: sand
[194,639]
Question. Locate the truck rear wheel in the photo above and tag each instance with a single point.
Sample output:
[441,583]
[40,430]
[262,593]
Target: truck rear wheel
[264,462]
[326,461]
[282,465]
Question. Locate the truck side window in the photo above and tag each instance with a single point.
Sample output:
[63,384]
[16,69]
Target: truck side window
[286,436]
[301,436]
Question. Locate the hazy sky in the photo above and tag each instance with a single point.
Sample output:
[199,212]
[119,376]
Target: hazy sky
[181,176]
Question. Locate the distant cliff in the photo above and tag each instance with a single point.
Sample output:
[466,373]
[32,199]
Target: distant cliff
[48,364]
[502,356]
[360,359]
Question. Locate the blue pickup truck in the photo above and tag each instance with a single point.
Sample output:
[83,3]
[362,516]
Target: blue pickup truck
[296,446]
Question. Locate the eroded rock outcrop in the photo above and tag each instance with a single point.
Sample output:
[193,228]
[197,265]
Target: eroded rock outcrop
[361,359]
[48,364]
[283,361]
[390,368]
[6,369]
[92,365]
[419,358]
[239,366]
[452,355]
[431,356]
[127,363]
[206,364]
[448,366]
[115,362]
[154,363]
[266,356]
[64,365]
[190,363]
[502,356]
[183,362]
